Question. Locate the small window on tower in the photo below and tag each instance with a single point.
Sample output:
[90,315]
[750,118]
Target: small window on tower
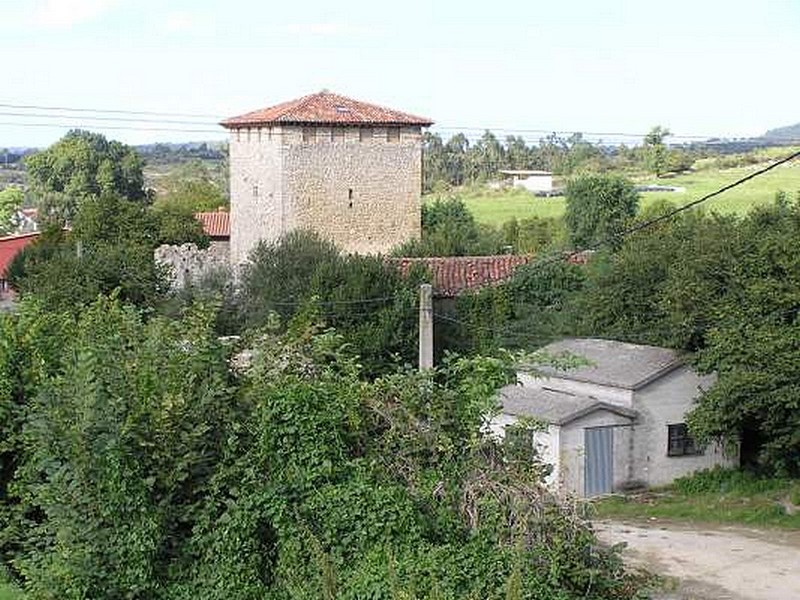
[350,197]
[255,190]
[309,134]
[337,134]
[393,134]
[365,134]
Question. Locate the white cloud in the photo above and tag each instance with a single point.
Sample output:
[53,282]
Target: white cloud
[59,14]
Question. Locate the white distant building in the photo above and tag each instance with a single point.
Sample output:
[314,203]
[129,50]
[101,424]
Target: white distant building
[533,181]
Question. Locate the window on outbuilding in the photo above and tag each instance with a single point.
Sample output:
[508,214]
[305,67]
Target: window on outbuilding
[680,442]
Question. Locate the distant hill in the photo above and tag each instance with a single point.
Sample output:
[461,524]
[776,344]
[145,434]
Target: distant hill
[789,132]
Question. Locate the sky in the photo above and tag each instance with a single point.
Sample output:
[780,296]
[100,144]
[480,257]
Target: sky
[701,67]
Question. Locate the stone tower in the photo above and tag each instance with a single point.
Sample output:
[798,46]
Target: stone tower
[349,170]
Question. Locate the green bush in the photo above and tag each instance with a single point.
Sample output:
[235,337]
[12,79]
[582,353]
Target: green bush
[727,481]
[598,207]
[364,297]
[155,466]
[449,229]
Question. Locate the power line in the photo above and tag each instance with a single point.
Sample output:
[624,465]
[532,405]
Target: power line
[568,132]
[114,127]
[109,110]
[635,229]
[90,114]
[100,118]
[644,225]
[339,302]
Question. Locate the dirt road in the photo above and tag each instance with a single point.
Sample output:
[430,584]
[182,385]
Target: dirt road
[723,563]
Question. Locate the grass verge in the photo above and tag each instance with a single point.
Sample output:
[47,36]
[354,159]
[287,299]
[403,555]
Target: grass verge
[720,496]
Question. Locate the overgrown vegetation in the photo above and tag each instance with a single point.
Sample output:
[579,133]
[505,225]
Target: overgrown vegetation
[365,298]
[142,464]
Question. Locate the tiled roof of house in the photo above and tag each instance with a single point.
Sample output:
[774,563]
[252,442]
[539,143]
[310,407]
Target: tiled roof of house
[10,246]
[325,108]
[453,275]
[216,224]
[613,363]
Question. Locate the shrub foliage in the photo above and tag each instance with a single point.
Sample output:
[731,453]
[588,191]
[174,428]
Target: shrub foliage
[150,460]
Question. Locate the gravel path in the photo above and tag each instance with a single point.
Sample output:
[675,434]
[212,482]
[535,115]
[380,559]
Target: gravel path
[708,563]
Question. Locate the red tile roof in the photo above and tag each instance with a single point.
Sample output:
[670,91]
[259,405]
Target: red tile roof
[10,246]
[216,224]
[453,275]
[325,108]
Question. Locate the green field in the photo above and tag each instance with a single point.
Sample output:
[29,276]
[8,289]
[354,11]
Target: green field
[495,207]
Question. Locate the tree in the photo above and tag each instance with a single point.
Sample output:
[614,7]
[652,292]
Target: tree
[484,158]
[598,207]
[366,299]
[450,229]
[11,199]
[456,158]
[753,343]
[656,153]
[434,166]
[190,189]
[82,165]
[109,248]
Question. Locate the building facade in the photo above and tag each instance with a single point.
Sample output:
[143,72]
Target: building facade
[617,423]
[348,170]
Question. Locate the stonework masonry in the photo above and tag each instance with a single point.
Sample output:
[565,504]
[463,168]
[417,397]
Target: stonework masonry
[357,186]
[188,264]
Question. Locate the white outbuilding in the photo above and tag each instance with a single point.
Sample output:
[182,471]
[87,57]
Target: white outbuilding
[615,424]
[533,181]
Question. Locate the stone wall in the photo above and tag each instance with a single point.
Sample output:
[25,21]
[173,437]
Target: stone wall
[189,264]
[258,208]
[358,187]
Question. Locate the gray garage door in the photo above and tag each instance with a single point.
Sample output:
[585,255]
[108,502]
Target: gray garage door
[599,460]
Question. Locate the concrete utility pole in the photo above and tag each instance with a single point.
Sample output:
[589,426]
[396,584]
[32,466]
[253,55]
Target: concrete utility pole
[425,327]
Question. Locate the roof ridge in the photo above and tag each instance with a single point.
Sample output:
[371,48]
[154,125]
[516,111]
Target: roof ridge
[322,107]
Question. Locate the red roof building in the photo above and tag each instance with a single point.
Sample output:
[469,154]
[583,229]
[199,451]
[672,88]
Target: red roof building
[10,246]
[454,275]
[325,108]
[216,224]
